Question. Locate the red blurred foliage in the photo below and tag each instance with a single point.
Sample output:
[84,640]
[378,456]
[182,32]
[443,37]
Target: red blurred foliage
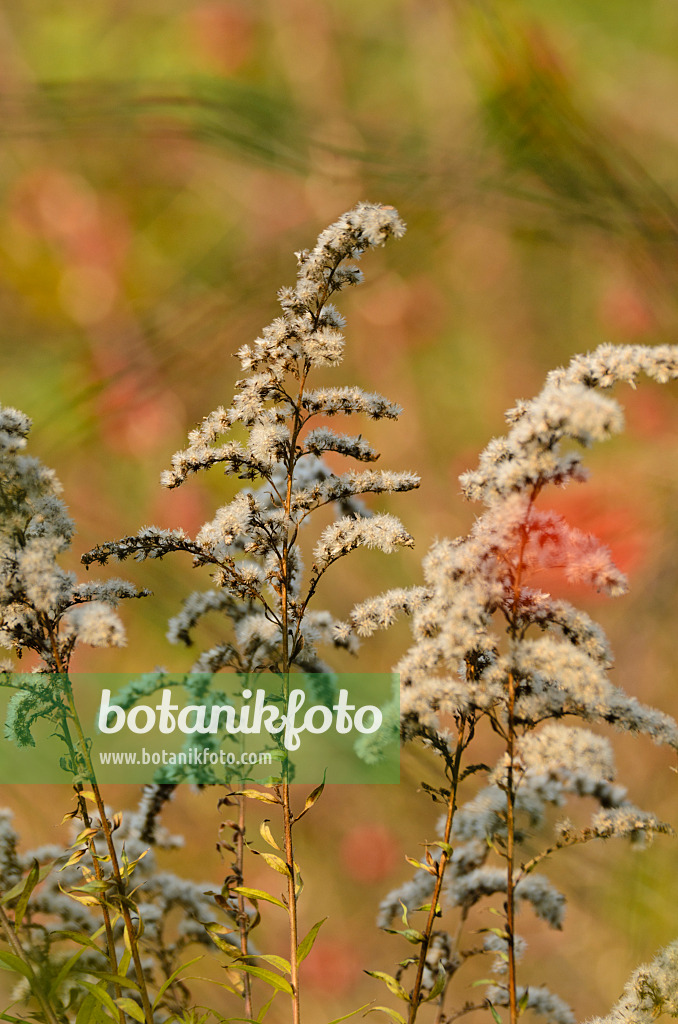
[186,507]
[624,311]
[651,414]
[368,853]
[615,516]
[223,34]
[332,966]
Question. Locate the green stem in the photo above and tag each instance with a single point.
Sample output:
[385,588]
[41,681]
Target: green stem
[115,866]
[108,836]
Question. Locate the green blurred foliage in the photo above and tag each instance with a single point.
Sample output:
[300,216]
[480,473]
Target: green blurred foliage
[161,163]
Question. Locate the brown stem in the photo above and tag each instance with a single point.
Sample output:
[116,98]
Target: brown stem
[242,912]
[510,774]
[510,853]
[291,901]
[288,817]
[440,872]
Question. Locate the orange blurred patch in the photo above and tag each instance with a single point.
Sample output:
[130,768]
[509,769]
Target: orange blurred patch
[368,853]
[615,516]
[331,967]
[651,413]
[223,33]
[624,311]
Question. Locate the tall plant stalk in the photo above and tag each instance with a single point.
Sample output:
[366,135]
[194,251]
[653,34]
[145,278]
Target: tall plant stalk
[532,663]
[252,544]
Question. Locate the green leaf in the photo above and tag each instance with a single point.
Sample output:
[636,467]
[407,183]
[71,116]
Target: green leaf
[114,979]
[125,961]
[445,847]
[132,1008]
[88,1008]
[495,1016]
[163,988]
[258,894]
[393,1014]
[438,985]
[312,798]
[65,970]
[275,961]
[274,980]
[29,885]
[15,963]
[17,889]
[265,1008]
[391,984]
[524,1000]
[412,935]
[306,944]
[82,940]
[421,866]
[353,1013]
[102,996]
[223,944]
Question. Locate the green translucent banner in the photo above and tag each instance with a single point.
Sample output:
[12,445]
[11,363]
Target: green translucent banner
[199,728]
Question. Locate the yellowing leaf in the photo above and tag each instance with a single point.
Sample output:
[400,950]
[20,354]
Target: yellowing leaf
[258,894]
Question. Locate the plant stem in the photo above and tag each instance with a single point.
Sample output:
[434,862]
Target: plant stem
[288,817]
[291,901]
[82,806]
[108,836]
[510,774]
[440,872]
[242,913]
[510,852]
[115,866]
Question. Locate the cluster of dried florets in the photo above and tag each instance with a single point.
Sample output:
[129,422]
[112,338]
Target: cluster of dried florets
[489,644]
[651,992]
[251,544]
[44,609]
[460,660]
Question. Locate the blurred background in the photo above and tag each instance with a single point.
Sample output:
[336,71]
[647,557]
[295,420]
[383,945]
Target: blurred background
[161,162]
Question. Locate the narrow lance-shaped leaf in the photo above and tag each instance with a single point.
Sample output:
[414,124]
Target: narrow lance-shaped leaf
[312,798]
[306,944]
[258,894]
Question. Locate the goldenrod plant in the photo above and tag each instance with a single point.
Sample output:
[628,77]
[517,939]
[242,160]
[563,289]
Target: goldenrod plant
[491,646]
[93,930]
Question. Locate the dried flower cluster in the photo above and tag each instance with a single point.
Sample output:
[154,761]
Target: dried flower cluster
[489,644]
[251,544]
[43,609]
[489,647]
